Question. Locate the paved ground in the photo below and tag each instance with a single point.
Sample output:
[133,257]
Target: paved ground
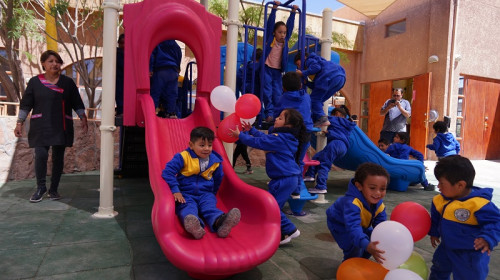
[60,239]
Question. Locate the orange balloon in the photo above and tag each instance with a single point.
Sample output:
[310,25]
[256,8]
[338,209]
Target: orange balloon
[361,269]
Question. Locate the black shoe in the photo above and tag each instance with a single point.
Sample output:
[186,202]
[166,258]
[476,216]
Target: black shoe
[429,187]
[38,195]
[53,195]
[162,114]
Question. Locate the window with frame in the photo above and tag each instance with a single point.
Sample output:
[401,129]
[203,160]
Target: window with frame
[395,28]
[460,110]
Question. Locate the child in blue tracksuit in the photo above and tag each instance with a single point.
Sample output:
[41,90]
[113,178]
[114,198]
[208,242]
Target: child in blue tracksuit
[251,86]
[464,222]
[399,149]
[276,52]
[282,147]
[337,137]
[165,65]
[329,77]
[194,176]
[297,98]
[352,217]
[444,143]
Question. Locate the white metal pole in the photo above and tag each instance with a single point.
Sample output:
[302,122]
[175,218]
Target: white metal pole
[107,127]
[231,56]
[326,49]
[204,3]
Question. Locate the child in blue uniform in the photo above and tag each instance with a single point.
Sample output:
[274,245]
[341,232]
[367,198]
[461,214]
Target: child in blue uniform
[352,217]
[276,52]
[194,176]
[165,65]
[282,147]
[251,86]
[329,77]
[444,143]
[297,98]
[337,137]
[399,149]
[383,144]
[464,222]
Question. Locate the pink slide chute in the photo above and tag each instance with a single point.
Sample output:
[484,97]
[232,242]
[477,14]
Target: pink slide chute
[255,239]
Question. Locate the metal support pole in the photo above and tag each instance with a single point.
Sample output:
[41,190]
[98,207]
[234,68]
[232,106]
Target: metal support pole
[107,127]
[231,57]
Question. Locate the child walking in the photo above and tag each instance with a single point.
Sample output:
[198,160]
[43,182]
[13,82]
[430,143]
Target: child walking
[194,176]
[276,53]
[282,147]
[352,217]
[337,137]
[328,78]
[444,144]
[464,222]
[399,149]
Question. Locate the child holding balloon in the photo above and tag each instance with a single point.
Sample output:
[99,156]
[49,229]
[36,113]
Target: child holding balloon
[352,217]
[282,147]
[276,52]
[194,176]
[465,218]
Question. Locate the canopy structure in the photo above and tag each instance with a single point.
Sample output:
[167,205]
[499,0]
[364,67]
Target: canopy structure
[370,8]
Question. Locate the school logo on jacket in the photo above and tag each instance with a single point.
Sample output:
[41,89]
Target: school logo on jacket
[462,214]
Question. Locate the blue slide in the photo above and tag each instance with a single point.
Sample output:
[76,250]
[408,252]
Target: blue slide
[361,150]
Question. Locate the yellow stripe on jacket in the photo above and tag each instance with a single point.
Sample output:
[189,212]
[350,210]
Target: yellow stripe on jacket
[366,216]
[459,211]
[192,167]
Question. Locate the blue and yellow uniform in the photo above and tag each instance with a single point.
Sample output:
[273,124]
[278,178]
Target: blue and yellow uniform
[183,174]
[458,223]
[280,147]
[338,142]
[329,77]
[403,151]
[351,220]
[445,145]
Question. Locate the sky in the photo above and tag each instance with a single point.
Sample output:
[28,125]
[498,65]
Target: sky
[314,6]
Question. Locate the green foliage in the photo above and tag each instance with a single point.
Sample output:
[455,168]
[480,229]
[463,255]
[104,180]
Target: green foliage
[218,8]
[341,41]
[22,23]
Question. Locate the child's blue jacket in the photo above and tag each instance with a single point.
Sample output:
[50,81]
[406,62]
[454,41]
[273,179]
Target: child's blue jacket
[352,216]
[270,37]
[280,151]
[298,100]
[323,70]
[167,53]
[403,151]
[445,145]
[339,129]
[458,222]
[183,174]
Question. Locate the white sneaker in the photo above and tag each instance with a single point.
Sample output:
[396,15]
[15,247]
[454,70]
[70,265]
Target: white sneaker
[309,179]
[287,238]
[295,196]
[315,190]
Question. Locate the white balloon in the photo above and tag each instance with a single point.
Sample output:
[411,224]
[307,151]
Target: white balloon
[396,240]
[401,273]
[251,121]
[223,99]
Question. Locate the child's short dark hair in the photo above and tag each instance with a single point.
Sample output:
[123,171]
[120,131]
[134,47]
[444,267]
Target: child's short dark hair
[440,127]
[258,54]
[369,169]
[403,136]
[299,57]
[455,168]
[277,25]
[383,140]
[201,132]
[291,81]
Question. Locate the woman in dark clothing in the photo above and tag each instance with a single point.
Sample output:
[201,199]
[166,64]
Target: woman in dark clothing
[50,97]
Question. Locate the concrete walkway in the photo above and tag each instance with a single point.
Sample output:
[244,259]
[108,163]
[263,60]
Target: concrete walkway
[61,240]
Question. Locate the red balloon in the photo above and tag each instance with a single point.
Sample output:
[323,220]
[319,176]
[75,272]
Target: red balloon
[225,126]
[414,216]
[247,106]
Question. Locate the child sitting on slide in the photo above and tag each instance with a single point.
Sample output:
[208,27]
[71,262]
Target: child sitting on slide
[194,176]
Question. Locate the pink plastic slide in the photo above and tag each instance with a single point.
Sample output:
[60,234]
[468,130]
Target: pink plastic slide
[255,239]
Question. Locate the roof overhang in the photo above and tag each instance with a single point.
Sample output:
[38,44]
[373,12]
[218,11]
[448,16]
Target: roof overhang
[370,8]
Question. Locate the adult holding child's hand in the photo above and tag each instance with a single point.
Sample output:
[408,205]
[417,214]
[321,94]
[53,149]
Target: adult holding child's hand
[50,97]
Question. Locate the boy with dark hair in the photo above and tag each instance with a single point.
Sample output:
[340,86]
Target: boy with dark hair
[383,144]
[328,78]
[352,218]
[194,176]
[399,149]
[466,220]
[444,144]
